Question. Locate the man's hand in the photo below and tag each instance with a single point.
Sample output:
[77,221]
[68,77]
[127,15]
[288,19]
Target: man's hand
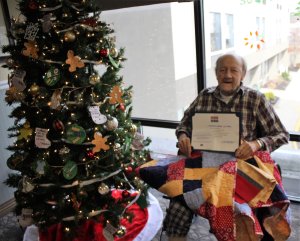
[247,149]
[184,144]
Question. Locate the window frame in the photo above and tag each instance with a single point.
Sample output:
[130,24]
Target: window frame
[201,75]
[6,17]
[200,56]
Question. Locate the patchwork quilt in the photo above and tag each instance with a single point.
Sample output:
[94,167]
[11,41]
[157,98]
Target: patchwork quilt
[239,198]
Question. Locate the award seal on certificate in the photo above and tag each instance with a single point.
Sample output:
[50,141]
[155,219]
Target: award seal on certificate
[216,131]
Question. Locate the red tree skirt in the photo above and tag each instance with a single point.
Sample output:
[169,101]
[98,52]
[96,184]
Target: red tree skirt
[93,231]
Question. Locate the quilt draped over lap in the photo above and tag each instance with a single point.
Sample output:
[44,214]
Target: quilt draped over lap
[239,198]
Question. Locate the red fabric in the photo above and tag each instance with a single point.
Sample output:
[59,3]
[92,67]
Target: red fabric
[91,230]
[245,190]
[220,220]
[136,226]
[176,170]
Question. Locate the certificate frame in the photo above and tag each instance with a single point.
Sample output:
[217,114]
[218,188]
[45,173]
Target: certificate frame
[216,131]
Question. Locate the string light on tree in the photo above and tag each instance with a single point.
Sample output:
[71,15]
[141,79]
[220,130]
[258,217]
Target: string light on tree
[73,152]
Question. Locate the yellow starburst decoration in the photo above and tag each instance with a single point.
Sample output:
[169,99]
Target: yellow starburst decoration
[252,40]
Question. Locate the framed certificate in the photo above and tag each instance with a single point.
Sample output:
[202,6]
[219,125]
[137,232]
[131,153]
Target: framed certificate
[216,131]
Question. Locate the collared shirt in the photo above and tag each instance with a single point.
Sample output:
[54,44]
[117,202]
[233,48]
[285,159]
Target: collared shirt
[259,120]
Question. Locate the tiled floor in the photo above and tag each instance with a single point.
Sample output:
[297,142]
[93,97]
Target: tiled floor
[10,230]
[200,229]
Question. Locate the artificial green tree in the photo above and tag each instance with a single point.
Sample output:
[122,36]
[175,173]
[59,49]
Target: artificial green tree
[75,142]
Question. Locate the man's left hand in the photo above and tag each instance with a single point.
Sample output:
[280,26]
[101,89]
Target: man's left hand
[247,149]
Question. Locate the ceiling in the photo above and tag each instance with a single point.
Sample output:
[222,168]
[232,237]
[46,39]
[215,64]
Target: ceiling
[115,4]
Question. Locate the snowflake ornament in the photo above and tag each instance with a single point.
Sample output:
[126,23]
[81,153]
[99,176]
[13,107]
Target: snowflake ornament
[31,31]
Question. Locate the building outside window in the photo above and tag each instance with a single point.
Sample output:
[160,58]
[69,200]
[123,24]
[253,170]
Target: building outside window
[229,33]
[159,42]
[215,31]
[261,35]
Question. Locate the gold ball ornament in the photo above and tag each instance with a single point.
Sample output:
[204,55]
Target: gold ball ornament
[133,129]
[113,52]
[121,231]
[34,89]
[112,124]
[94,79]
[69,36]
[103,189]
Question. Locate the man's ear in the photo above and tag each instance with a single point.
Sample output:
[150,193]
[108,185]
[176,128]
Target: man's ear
[243,76]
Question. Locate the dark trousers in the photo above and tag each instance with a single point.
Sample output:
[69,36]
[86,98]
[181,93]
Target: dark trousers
[261,214]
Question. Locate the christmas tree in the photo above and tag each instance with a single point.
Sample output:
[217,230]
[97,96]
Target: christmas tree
[76,147]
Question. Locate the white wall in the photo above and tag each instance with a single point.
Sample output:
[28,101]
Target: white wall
[5,123]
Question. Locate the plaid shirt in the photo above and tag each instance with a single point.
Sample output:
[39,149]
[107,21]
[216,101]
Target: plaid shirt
[259,120]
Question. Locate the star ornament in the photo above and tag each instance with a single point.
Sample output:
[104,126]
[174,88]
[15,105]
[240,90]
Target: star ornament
[73,61]
[116,95]
[254,40]
[99,142]
[25,132]
[12,94]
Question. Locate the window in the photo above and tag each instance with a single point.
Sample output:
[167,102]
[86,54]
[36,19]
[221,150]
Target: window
[267,35]
[159,42]
[229,31]
[272,64]
[215,33]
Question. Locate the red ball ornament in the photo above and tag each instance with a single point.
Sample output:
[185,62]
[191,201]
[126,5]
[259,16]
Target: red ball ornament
[122,107]
[32,5]
[90,22]
[125,194]
[103,52]
[90,155]
[116,194]
[128,170]
[58,125]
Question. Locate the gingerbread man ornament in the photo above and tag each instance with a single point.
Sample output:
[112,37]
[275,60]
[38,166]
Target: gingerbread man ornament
[100,143]
[73,61]
[116,95]
[31,49]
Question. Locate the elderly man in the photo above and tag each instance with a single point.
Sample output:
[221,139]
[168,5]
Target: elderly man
[261,127]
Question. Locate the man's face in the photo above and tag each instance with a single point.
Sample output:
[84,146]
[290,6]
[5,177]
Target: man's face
[229,74]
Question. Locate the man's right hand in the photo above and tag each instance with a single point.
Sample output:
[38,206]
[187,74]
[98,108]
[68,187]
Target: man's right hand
[184,144]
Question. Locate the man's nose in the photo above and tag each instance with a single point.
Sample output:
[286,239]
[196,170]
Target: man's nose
[228,73]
